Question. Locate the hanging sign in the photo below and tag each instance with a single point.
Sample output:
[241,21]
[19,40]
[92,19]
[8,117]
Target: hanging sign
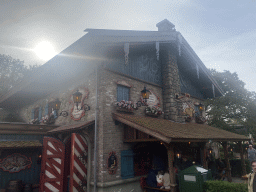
[15,163]
[112,163]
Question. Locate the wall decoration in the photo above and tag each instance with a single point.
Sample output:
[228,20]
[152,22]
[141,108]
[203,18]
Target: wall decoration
[112,163]
[153,99]
[15,163]
[48,119]
[77,112]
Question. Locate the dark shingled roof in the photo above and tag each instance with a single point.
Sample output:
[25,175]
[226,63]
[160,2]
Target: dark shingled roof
[19,144]
[168,131]
[72,127]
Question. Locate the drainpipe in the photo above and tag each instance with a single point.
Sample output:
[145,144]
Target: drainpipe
[95,134]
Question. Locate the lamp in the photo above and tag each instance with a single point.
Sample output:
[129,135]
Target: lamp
[210,150]
[57,104]
[56,107]
[201,107]
[77,97]
[145,94]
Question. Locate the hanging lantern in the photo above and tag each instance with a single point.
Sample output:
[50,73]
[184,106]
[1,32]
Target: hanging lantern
[57,104]
[77,97]
[201,107]
[145,94]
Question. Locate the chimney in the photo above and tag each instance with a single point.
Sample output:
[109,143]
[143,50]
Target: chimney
[165,25]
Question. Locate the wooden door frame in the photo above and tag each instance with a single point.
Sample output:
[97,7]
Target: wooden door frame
[85,135]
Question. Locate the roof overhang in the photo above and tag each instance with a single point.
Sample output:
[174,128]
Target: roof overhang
[72,128]
[168,131]
[23,128]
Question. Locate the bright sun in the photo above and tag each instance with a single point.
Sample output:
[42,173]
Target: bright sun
[45,50]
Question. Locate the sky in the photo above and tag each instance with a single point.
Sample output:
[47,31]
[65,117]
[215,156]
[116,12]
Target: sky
[222,33]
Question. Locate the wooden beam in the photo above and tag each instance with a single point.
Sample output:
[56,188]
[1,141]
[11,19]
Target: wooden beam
[242,158]
[24,132]
[140,140]
[170,153]
[204,155]
[228,169]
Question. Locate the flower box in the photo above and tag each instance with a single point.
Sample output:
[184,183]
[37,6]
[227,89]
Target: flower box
[153,111]
[126,106]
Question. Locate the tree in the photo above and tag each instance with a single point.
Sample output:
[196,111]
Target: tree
[12,71]
[236,107]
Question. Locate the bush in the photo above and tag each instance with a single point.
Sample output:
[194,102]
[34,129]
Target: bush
[224,186]
[236,168]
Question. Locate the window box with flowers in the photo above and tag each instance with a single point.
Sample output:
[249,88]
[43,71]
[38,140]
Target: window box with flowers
[126,106]
[153,111]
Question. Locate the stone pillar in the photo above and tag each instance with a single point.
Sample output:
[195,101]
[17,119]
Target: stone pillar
[171,82]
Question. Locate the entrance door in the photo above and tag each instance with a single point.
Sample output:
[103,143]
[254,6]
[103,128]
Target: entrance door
[52,165]
[78,164]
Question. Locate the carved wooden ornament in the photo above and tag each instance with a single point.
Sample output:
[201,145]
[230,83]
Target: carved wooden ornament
[112,163]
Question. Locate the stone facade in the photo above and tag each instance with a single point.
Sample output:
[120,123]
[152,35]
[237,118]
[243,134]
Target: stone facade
[111,135]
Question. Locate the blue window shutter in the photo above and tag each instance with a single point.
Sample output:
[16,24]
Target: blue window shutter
[40,113]
[55,114]
[197,112]
[119,93]
[127,167]
[46,109]
[32,114]
[126,91]
[123,93]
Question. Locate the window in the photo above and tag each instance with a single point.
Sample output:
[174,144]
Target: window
[123,93]
[127,167]
[49,109]
[36,113]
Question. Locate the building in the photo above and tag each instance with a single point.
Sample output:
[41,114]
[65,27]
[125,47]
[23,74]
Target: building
[92,91]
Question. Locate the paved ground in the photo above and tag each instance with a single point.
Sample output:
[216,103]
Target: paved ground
[237,180]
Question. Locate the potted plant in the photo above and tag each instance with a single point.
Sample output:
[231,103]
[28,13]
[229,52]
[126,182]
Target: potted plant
[153,111]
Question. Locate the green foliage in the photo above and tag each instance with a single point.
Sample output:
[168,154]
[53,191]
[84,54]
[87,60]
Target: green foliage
[236,167]
[224,186]
[12,71]
[236,107]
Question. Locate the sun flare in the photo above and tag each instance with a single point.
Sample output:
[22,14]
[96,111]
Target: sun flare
[45,50]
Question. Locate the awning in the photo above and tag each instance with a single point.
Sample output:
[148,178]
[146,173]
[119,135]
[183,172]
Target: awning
[19,144]
[70,128]
[169,131]
[24,128]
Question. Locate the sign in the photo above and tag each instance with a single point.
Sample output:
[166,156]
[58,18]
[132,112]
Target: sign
[15,163]
[153,99]
[190,178]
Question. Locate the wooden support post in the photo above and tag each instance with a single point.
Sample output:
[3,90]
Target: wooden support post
[170,153]
[228,169]
[204,155]
[242,158]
